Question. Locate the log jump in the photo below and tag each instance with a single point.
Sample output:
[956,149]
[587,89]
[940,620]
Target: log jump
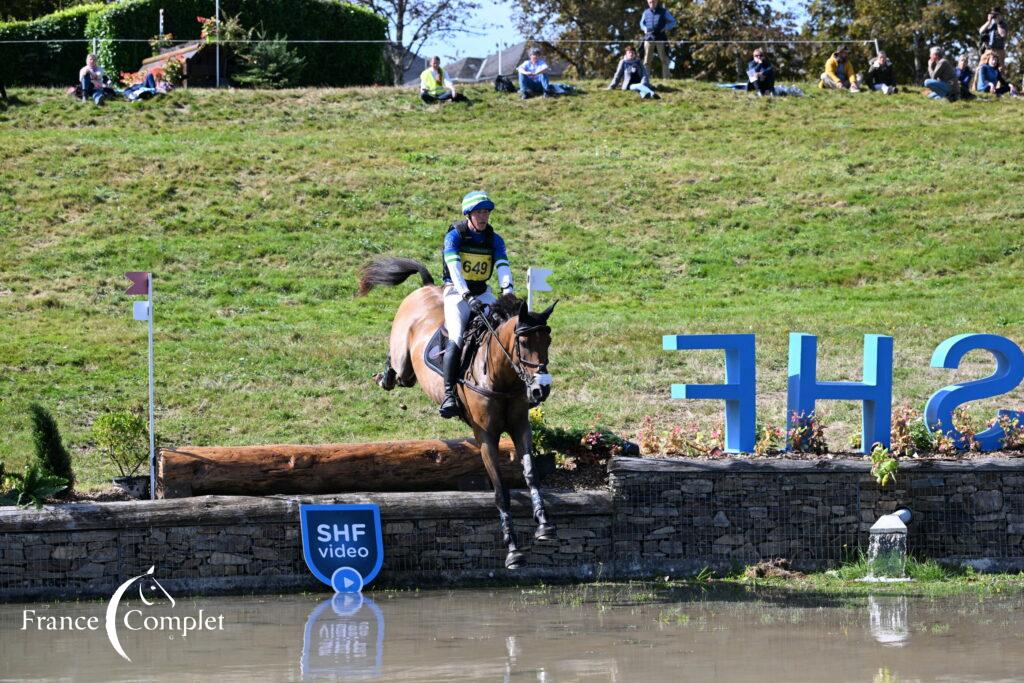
[431,465]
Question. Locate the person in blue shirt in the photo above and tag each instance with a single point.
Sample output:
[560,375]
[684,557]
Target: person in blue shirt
[990,80]
[965,75]
[760,75]
[656,22]
[472,252]
[533,77]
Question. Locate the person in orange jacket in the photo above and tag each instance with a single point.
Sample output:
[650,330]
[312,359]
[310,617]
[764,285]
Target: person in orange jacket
[839,73]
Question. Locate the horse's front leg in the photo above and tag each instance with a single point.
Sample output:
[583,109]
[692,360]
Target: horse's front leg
[490,454]
[523,439]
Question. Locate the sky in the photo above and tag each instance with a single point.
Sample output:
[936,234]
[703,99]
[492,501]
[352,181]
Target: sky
[492,25]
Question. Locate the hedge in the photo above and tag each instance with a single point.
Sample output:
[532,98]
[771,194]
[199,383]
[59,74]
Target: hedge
[45,63]
[334,65]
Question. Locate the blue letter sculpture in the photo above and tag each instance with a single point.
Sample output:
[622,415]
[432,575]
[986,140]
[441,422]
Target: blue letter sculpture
[938,412]
[875,392]
[739,390]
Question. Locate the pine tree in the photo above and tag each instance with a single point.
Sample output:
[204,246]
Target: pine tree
[51,454]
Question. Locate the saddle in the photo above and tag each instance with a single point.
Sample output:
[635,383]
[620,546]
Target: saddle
[433,352]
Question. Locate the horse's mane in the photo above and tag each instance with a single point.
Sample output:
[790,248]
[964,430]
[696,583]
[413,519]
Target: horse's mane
[506,307]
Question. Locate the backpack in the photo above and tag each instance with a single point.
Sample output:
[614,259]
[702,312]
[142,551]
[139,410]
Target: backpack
[504,84]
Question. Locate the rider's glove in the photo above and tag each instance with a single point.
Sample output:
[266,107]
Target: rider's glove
[507,290]
[475,304]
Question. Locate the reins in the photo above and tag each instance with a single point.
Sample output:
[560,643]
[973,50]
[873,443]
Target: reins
[524,377]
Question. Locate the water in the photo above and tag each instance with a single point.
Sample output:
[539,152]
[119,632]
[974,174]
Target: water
[887,557]
[618,633]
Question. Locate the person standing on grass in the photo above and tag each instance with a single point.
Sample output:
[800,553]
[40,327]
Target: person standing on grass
[656,22]
[942,80]
[633,75]
[472,251]
[435,86]
[533,77]
[760,75]
[839,73]
[880,75]
[993,34]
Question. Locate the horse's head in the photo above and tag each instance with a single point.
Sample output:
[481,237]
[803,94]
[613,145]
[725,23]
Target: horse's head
[532,340]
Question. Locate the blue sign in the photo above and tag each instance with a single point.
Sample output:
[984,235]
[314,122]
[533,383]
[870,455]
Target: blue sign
[739,391]
[343,639]
[342,544]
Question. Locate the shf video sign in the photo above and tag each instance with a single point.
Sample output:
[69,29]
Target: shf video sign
[342,544]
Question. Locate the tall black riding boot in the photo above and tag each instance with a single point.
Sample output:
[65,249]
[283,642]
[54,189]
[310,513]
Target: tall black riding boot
[452,361]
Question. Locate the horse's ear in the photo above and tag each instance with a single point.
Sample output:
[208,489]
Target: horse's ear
[523,310]
[546,313]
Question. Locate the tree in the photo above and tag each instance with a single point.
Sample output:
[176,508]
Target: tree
[411,22]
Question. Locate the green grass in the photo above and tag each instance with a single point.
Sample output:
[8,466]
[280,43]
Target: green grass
[707,211]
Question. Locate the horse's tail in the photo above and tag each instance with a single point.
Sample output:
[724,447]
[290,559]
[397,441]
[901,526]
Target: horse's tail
[391,270]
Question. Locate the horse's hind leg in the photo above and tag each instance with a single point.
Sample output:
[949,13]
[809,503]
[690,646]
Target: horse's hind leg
[523,439]
[386,379]
[490,454]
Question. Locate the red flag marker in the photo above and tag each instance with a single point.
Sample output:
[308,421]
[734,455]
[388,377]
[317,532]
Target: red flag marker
[140,283]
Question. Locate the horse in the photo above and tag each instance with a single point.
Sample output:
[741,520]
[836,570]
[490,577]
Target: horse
[507,376]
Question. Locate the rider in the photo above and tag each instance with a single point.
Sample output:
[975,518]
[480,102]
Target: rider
[472,251]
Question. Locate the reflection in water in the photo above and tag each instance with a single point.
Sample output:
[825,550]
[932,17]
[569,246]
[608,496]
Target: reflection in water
[343,638]
[889,619]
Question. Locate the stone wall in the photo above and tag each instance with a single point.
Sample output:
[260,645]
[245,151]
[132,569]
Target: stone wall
[658,517]
[681,515]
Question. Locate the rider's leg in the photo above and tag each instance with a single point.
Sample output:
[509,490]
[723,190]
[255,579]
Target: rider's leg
[456,313]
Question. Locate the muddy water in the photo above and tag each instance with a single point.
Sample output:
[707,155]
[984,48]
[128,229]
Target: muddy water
[557,634]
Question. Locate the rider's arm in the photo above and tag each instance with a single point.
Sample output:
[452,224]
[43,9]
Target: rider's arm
[452,242]
[501,265]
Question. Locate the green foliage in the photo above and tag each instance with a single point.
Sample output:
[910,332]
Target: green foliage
[768,438]
[326,64]
[883,465]
[51,64]
[927,570]
[122,437]
[270,64]
[807,434]
[27,10]
[50,452]
[32,487]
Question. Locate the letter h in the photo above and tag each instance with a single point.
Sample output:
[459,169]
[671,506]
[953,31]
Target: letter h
[739,391]
[875,392]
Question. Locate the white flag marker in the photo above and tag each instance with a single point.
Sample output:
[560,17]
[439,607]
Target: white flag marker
[536,281]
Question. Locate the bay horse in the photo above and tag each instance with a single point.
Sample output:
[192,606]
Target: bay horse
[506,377]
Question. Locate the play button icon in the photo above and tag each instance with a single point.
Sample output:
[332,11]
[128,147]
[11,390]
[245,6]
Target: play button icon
[347,580]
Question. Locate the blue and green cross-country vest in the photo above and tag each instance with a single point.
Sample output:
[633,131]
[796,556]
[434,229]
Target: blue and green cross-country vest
[478,252]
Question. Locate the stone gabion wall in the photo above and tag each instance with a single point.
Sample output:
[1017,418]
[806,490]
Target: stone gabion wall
[681,515]
[212,544]
[658,516]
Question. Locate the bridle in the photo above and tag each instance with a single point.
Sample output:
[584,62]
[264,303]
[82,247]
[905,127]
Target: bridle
[525,377]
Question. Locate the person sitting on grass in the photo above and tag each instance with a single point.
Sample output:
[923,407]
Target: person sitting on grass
[633,75]
[965,74]
[839,73]
[880,75]
[435,86]
[942,81]
[533,78]
[93,81]
[760,75]
[990,79]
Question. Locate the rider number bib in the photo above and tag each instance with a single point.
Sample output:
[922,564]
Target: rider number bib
[476,267]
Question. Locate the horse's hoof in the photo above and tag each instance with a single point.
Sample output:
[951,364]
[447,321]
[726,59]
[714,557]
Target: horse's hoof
[545,532]
[515,559]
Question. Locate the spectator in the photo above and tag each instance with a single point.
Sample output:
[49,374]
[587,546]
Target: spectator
[93,81]
[880,75]
[993,34]
[839,73]
[942,80]
[656,22]
[435,86]
[990,80]
[760,74]
[633,74]
[965,75]
[533,76]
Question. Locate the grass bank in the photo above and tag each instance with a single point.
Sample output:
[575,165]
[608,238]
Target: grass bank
[707,211]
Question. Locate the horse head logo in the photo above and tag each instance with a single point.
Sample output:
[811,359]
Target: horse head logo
[147,584]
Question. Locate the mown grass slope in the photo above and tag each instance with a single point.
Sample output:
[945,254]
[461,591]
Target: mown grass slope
[707,211]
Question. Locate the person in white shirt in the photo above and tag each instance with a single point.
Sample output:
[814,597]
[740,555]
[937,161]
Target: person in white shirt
[533,77]
[92,80]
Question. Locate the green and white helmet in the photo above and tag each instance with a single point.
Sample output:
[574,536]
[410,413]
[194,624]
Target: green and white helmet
[476,200]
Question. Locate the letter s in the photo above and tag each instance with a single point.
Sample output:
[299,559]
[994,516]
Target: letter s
[938,412]
[323,533]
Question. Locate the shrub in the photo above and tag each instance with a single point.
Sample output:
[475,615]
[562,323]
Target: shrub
[807,434]
[1013,433]
[51,454]
[55,63]
[122,437]
[883,465]
[768,439]
[32,487]
[326,64]
[270,64]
